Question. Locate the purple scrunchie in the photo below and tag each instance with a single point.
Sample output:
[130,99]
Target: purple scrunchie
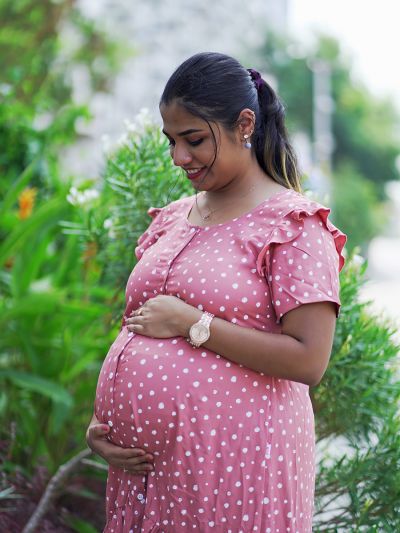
[256,77]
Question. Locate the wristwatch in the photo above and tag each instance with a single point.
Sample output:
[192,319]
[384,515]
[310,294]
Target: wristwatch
[200,331]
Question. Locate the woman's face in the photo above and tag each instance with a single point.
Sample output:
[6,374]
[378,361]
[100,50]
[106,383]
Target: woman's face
[193,149]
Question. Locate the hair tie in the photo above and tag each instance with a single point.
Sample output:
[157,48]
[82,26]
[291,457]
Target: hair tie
[256,77]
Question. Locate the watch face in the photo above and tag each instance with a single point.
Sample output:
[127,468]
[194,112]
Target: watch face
[199,332]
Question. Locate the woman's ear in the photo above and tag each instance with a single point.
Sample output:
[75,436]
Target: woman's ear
[246,122]
[245,127]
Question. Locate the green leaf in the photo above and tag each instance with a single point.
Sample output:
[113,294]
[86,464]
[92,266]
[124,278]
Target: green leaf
[79,525]
[9,494]
[45,215]
[40,385]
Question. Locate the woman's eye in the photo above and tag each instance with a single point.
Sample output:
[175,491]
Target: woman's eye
[196,143]
[171,142]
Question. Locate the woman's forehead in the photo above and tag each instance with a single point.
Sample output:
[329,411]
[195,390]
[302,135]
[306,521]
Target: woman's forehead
[175,117]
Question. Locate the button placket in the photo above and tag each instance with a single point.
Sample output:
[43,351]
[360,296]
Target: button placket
[186,236]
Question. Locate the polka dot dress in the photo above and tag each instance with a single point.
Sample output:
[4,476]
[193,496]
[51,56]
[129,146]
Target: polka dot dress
[233,448]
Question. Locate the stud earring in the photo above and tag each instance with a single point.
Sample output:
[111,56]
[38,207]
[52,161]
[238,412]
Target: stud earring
[247,144]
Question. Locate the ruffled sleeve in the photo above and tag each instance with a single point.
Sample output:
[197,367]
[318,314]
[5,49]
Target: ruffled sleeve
[152,233]
[301,259]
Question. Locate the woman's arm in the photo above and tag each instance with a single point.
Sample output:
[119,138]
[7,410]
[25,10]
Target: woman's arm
[301,353]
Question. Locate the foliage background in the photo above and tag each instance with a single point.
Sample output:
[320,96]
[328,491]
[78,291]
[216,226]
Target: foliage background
[66,251]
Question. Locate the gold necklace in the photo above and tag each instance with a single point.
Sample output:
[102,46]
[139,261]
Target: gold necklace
[207,216]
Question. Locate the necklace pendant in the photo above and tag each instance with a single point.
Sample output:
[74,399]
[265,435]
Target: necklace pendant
[205,217]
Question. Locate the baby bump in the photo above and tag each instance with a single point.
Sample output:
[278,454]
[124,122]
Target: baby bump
[167,392]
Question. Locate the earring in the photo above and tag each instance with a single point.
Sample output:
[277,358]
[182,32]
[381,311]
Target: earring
[247,144]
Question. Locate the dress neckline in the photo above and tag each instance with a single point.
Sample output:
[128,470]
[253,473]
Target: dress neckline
[239,217]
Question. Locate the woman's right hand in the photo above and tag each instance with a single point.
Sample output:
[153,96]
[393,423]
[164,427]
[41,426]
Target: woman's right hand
[133,460]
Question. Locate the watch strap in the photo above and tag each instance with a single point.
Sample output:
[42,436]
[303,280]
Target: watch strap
[205,320]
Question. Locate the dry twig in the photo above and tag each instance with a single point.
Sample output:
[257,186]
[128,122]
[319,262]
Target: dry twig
[53,485]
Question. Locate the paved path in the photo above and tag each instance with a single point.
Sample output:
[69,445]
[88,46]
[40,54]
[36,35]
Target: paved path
[383,287]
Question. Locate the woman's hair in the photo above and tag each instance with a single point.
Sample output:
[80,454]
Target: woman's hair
[216,88]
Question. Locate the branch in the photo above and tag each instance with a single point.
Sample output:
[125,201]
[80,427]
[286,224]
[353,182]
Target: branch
[95,464]
[52,487]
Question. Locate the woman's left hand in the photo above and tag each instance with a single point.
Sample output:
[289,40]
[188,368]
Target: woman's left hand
[163,316]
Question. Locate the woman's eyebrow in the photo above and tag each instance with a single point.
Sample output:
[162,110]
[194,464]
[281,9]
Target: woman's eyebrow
[182,133]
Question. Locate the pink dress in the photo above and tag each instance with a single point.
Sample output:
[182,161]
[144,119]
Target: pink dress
[234,448]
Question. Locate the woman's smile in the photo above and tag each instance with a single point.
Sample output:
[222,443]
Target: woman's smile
[194,173]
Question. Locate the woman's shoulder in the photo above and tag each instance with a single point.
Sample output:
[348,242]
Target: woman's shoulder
[295,217]
[297,206]
[178,206]
[174,209]
[291,201]
[164,219]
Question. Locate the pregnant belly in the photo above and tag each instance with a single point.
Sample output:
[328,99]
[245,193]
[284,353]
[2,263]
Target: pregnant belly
[158,392]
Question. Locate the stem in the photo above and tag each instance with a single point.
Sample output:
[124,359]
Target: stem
[51,490]
[95,464]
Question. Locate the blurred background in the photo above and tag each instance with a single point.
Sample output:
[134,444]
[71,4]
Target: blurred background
[82,159]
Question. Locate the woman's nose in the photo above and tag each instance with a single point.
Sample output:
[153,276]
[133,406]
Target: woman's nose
[181,157]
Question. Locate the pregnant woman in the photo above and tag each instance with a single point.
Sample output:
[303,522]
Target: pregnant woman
[202,406]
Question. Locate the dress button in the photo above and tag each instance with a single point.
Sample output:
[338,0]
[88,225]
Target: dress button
[140,497]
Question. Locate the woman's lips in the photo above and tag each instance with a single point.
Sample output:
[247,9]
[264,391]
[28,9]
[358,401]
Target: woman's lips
[195,175]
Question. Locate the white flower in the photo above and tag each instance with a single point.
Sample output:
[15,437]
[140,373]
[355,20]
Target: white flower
[72,196]
[89,195]
[109,224]
[81,198]
[131,127]
[358,260]
[142,121]
[123,139]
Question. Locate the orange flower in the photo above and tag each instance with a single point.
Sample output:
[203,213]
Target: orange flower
[89,252]
[26,201]
[9,263]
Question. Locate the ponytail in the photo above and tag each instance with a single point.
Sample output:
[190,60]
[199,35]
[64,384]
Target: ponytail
[274,153]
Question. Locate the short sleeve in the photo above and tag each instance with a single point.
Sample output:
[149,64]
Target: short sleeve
[152,233]
[302,261]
